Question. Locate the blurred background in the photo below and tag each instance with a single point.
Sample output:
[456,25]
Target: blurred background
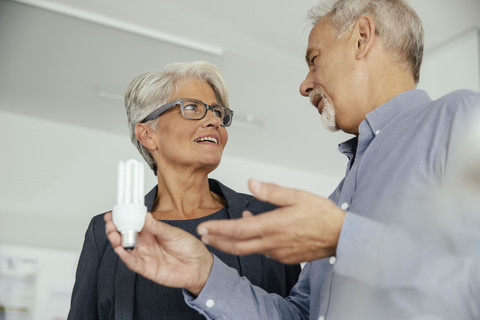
[64,65]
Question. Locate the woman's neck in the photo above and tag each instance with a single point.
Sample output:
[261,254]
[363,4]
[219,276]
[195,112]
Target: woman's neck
[182,197]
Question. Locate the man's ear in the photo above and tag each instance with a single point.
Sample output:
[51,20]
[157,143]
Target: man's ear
[144,134]
[364,36]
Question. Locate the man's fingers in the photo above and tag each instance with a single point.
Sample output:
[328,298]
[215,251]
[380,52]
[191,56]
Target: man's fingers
[247,214]
[250,227]
[150,224]
[274,193]
[112,234]
[162,231]
[274,247]
[240,247]
[107,216]
[130,260]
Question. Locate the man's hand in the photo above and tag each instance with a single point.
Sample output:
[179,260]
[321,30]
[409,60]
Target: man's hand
[165,254]
[306,227]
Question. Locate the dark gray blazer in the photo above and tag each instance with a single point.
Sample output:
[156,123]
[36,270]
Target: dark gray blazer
[105,288]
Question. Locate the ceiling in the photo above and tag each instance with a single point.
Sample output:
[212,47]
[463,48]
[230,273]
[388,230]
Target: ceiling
[70,60]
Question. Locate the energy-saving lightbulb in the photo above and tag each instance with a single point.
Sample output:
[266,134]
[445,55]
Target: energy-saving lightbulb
[129,212]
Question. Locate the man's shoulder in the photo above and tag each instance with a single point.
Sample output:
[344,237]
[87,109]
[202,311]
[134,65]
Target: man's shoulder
[460,94]
[457,102]
[458,99]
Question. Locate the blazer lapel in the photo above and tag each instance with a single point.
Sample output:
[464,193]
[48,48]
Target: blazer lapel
[236,204]
[124,292]
[125,278]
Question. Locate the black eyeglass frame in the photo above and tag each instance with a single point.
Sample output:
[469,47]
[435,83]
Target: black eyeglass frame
[158,112]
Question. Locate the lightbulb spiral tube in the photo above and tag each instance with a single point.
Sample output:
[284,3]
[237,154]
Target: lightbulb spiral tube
[130,210]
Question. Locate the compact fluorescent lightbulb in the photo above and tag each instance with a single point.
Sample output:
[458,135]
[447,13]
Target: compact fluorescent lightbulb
[129,212]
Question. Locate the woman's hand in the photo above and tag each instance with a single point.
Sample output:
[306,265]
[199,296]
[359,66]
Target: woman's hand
[165,254]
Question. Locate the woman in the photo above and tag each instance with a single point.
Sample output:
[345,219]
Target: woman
[177,119]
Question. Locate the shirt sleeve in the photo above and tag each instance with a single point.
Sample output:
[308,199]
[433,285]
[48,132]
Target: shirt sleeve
[226,295]
[420,271]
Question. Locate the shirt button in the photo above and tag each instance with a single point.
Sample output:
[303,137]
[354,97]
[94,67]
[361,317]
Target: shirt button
[344,206]
[321,318]
[332,260]
[210,303]
[377,132]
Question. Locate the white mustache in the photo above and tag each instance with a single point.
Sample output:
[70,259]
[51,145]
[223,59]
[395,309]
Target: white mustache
[315,94]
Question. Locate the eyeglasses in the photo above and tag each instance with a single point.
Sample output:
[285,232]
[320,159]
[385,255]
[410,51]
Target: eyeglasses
[194,110]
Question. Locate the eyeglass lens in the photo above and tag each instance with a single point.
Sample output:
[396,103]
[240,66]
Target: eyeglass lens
[196,110]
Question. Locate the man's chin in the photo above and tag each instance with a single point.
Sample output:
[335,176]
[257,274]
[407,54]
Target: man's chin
[329,124]
[328,116]
[331,128]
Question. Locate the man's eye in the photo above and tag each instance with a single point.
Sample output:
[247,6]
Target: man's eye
[312,60]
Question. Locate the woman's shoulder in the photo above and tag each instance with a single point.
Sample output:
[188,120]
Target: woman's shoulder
[254,202]
[97,222]
[240,199]
[96,231]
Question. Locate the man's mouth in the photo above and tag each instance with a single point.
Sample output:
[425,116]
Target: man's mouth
[316,98]
[317,103]
[207,139]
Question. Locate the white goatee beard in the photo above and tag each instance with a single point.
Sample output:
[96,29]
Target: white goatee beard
[328,113]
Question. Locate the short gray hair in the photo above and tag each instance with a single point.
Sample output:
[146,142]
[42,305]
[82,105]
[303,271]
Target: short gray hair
[397,25]
[151,90]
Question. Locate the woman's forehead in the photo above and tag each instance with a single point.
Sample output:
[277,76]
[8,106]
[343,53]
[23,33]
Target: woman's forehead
[195,89]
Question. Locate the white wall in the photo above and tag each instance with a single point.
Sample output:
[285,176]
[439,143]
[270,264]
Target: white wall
[453,65]
[35,283]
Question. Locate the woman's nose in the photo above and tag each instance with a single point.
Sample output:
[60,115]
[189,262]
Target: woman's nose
[212,120]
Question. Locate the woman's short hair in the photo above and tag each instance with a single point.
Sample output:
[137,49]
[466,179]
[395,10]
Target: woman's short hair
[151,90]
[397,25]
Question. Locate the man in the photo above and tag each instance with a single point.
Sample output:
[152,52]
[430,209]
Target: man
[364,60]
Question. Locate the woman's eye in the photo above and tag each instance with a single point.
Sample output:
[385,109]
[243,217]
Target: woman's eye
[191,107]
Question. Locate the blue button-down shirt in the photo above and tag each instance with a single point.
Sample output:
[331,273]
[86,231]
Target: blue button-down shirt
[401,155]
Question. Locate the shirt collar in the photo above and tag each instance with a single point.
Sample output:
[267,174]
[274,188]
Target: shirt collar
[378,118]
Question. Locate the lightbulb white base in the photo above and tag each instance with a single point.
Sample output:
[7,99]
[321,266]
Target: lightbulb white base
[129,239]
[129,220]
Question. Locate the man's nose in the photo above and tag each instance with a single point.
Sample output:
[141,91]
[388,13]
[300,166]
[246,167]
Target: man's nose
[306,86]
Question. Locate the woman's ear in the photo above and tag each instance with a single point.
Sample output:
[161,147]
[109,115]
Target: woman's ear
[364,36]
[144,134]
